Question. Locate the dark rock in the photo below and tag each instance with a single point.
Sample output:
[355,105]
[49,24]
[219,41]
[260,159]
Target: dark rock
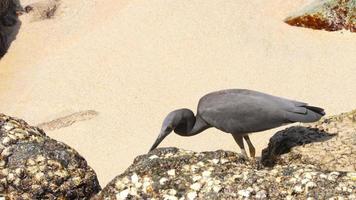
[9,10]
[3,44]
[330,15]
[34,166]
[283,141]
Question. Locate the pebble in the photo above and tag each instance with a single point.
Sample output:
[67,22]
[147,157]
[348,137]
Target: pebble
[123,194]
[2,163]
[323,176]
[19,171]
[39,176]
[10,177]
[309,185]
[191,195]
[261,194]
[304,181]
[6,152]
[195,186]
[217,188]
[170,197]
[244,193]
[333,176]
[172,192]
[223,160]
[134,178]
[6,141]
[119,185]
[308,176]
[153,157]
[7,126]
[293,180]
[352,175]
[206,174]
[298,189]
[40,158]
[133,191]
[196,178]
[162,180]
[215,161]
[171,172]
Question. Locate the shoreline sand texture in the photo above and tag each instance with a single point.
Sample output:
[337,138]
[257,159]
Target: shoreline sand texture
[133,61]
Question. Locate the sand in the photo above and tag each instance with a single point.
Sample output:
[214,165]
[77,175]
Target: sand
[133,61]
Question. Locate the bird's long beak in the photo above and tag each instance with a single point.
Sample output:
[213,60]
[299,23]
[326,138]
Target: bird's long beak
[160,138]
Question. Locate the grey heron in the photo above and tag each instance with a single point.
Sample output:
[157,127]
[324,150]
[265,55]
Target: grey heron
[238,112]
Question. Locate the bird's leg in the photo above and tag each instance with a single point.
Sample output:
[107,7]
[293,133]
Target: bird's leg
[239,140]
[250,146]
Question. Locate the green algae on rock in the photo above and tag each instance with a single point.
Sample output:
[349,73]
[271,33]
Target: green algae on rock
[329,15]
[34,166]
[171,173]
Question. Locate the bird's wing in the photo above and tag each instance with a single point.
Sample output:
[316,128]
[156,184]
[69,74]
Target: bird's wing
[244,111]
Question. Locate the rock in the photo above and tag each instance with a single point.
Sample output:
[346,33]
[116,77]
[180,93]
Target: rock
[34,166]
[330,15]
[200,176]
[9,9]
[3,44]
[42,10]
[316,145]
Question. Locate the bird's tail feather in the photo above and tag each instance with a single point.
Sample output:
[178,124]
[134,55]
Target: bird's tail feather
[318,110]
[311,114]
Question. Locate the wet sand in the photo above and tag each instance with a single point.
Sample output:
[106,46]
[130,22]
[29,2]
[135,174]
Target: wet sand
[135,61]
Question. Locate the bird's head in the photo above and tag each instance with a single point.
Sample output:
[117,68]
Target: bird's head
[180,121]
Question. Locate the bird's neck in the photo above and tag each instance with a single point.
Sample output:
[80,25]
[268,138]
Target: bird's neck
[192,127]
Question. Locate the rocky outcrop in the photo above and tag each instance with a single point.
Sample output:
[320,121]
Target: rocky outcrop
[170,173]
[329,144]
[302,162]
[330,15]
[34,166]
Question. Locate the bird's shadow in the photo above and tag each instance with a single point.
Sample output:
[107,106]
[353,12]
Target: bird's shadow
[283,141]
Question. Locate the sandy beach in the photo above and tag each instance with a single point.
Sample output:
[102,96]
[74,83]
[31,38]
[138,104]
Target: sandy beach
[133,61]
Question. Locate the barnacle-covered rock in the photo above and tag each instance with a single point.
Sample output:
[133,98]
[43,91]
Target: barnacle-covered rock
[330,15]
[34,166]
[329,144]
[171,173]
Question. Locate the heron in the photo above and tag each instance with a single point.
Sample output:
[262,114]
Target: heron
[238,112]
